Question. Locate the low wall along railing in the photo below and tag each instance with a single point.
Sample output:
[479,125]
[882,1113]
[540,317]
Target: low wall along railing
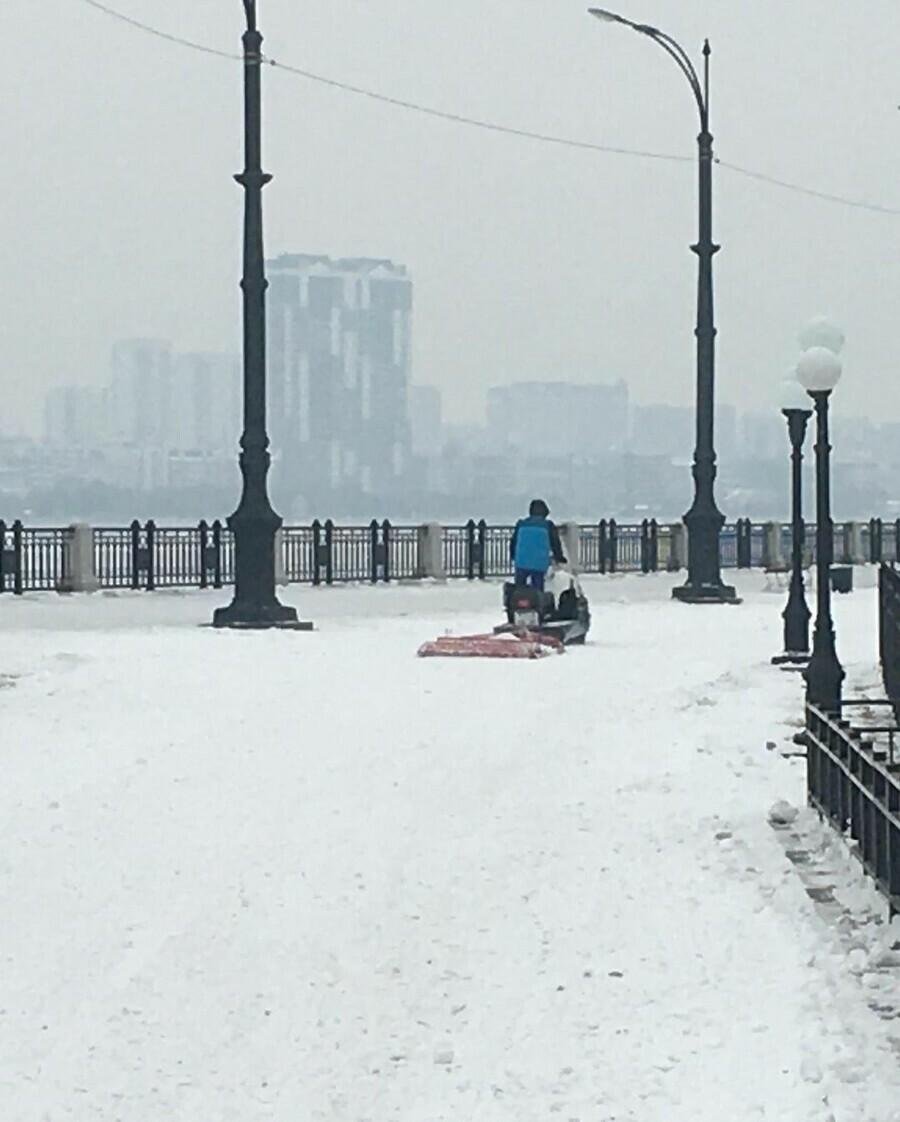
[147,556]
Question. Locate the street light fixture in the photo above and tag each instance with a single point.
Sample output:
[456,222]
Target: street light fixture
[796,410]
[704,521]
[819,371]
[254,523]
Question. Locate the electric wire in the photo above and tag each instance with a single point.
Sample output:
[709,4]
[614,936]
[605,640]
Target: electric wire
[492,126]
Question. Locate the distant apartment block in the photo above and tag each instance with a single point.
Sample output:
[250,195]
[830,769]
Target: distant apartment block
[76,416]
[141,393]
[561,417]
[339,334]
[426,420]
[205,403]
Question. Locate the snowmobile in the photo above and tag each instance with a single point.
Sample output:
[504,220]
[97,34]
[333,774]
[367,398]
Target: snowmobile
[566,618]
[537,624]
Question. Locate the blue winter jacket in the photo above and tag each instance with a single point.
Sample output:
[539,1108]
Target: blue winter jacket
[535,540]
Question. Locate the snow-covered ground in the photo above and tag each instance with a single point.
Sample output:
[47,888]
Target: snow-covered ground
[303,877]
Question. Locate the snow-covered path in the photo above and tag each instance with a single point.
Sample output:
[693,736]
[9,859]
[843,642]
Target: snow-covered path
[310,877]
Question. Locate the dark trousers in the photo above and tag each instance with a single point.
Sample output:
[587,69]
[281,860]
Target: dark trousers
[532,577]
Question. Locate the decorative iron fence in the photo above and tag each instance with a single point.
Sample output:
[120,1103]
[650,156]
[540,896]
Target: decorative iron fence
[147,556]
[31,559]
[889,633]
[853,780]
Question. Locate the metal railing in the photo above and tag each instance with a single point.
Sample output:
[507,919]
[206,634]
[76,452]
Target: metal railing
[889,633]
[146,556]
[32,559]
[853,780]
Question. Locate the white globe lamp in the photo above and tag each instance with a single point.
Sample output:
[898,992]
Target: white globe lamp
[819,370]
[792,398]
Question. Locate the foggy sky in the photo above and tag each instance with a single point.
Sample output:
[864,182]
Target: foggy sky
[530,261]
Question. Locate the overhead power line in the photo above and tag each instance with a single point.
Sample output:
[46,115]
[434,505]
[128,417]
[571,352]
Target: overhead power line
[161,34]
[492,126]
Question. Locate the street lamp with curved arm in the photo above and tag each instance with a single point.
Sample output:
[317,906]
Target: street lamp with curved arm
[704,521]
[675,50]
[254,524]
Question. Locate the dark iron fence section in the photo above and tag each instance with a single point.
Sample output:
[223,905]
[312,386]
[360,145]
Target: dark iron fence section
[455,547]
[114,557]
[144,557]
[297,554]
[853,780]
[32,560]
[402,551]
[889,633]
[496,559]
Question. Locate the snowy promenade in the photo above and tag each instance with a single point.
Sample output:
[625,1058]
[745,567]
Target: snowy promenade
[309,877]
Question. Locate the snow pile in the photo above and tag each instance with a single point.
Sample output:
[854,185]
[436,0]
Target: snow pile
[309,876]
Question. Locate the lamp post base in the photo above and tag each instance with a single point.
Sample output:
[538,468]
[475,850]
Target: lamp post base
[706,594]
[791,660]
[257,617]
[255,625]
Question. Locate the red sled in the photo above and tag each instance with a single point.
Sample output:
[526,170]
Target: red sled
[517,644]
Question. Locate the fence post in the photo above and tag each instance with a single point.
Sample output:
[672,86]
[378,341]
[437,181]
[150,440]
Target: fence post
[386,546]
[281,575]
[613,545]
[654,546]
[151,555]
[373,551]
[203,535]
[677,547]
[645,546]
[429,551]
[771,554]
[217,553]
[316,544]
[329,551]
[744,530]
[602,545]
[470,549]
[17,529]
[2,555]
[853,545]
[135,546]
[79,574]
[875,535]
[482,539]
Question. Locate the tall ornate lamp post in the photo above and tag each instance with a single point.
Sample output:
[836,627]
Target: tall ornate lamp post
[796,410]
[254,523]
[819,371]
[704,521]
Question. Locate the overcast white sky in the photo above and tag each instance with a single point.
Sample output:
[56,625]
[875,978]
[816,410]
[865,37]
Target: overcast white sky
[530,261]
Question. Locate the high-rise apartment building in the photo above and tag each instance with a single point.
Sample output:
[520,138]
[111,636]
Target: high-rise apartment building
[205,404]
[426,420]
[339,335]
[559,417]
[76,416]
[141,393]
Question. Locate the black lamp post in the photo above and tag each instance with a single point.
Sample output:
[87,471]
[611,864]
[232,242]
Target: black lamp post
[254,523]
[704,521]
[818,372]
[796,614]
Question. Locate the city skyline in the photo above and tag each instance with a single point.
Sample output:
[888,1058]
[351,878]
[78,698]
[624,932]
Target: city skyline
[529,258]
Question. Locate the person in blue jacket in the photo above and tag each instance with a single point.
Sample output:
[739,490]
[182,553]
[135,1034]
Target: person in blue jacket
[535,542]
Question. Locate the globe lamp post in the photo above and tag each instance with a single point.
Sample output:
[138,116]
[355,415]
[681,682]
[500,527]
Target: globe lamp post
[818,372]
[795,407]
